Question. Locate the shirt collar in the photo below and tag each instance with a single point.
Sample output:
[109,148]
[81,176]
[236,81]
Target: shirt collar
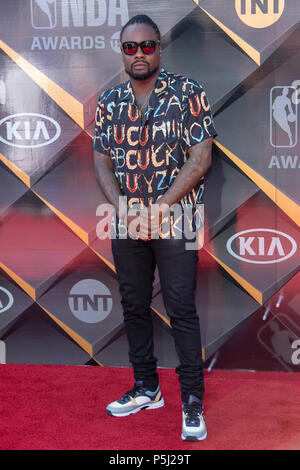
[161,88]
[162,84]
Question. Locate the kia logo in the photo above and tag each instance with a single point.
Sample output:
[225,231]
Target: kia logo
[6,300]
[29,130]
[261,246]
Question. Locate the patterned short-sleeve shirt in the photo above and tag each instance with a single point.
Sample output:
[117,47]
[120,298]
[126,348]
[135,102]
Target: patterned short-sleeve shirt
[148,152]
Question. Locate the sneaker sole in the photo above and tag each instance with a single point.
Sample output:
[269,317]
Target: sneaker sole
[151,406]
[194,438]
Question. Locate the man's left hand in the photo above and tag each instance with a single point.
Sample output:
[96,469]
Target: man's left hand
[151,218]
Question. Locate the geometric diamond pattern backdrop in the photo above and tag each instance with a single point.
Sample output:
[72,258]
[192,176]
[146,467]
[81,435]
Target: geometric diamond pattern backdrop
[59,297]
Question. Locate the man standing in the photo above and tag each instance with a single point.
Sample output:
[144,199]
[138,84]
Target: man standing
[152,142]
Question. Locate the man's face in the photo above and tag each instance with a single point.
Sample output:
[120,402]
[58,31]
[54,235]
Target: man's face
[139,65]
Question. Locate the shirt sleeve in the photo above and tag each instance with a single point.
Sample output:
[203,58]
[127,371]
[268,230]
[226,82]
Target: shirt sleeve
[198,120]
[100,139]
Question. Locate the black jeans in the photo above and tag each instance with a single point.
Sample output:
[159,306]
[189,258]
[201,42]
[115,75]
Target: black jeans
[135,262]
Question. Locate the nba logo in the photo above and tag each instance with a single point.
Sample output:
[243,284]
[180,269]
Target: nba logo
[283,117]
[43,14]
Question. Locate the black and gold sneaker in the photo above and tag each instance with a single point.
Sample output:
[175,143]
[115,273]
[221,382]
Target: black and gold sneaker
[193,423]
[136,399]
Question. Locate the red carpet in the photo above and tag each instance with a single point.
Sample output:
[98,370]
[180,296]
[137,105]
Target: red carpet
[62,407]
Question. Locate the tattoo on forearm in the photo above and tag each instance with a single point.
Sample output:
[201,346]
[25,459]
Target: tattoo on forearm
[108,183]
[190,173]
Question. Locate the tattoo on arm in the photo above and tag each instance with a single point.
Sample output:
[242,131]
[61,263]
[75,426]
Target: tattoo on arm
[190,173]
[107,180]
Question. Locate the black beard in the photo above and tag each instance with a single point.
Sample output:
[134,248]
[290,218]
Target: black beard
[144,76]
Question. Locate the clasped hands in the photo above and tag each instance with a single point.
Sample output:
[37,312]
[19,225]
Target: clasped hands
[144,223]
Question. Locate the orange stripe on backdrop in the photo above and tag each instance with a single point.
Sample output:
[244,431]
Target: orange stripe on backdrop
[253,53]
[255,293]
[281,200]
[89,133]
[19,173]
[81,233]
[169,324]
[23,284]
[108,263]
[79,340]
[66,101]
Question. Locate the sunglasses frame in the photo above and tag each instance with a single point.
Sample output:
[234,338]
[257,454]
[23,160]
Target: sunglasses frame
[139,44]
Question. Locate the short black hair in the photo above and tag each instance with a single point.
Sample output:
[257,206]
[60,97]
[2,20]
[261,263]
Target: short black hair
[141,19]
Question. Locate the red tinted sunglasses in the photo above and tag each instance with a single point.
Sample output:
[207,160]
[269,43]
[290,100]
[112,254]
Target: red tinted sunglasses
[131,47]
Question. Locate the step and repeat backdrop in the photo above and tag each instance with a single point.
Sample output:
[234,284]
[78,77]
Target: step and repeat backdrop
[59,296]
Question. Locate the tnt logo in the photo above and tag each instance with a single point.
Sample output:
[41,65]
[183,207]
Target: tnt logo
[259,13]
[115,42]
[43,14]
[261,246]
[90,301]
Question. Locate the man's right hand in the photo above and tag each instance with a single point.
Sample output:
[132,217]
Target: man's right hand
[139,223]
